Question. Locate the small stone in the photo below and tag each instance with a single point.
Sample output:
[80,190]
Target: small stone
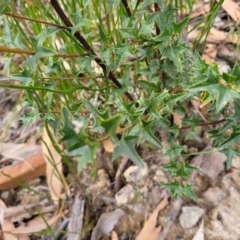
[135,173]
[190,216]
[210,165]
[236,162]
[225,218]
[213,196]
[160,176]
[125,195]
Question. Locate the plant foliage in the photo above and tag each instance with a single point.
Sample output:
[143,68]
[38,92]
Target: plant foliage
[98,69]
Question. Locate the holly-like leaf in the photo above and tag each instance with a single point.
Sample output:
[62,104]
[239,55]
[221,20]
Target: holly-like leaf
[40,53]
[172,167]
[84,155]
[188,192]
[236,116]
[109,123]
[178,27]
[229,152]
[25,77]
[70,137]
[29,118]
[174,53]
[233,139]
[174,150]
[126,147]
[165,36]
[182,172]
[174,187]
[218,92]
[121,53]
[144,132]
[3,5]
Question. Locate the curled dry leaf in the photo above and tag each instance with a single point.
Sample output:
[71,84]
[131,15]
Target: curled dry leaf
[150,231]
[32,168]
[106,223]
[55,179]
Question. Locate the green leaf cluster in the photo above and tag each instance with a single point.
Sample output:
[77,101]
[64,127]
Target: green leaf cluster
[107,71]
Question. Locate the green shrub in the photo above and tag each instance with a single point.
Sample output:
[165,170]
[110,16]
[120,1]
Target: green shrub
[94,70]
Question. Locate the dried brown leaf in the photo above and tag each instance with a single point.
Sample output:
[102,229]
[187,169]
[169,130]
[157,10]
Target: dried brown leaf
[37,224]
[108,145]
[210,53]
[177,119]
[32,168]
[7,226]
[232,9]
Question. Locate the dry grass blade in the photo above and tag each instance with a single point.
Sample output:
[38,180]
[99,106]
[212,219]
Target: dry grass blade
[55,179]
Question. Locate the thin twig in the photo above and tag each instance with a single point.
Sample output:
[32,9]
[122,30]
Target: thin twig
[205,124]
[35,20]
[121,167]
[125,4]
[29,52]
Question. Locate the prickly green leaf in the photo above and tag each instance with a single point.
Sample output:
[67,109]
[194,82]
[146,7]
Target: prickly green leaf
[172,167]
[179,27]
[233,139]
[126,147]
[229,152]
[236,116]
[189,168]
[83,155]
[29,118]
[174,54]
[121,53]
[181,172]
[25,77]
[3,6]
[188,192]
[144,132]
[174,187]
[128,32]
[175,150]
[86,64]
[219,93]
[165,36]
[109,123]
[40,53]
[69,136]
